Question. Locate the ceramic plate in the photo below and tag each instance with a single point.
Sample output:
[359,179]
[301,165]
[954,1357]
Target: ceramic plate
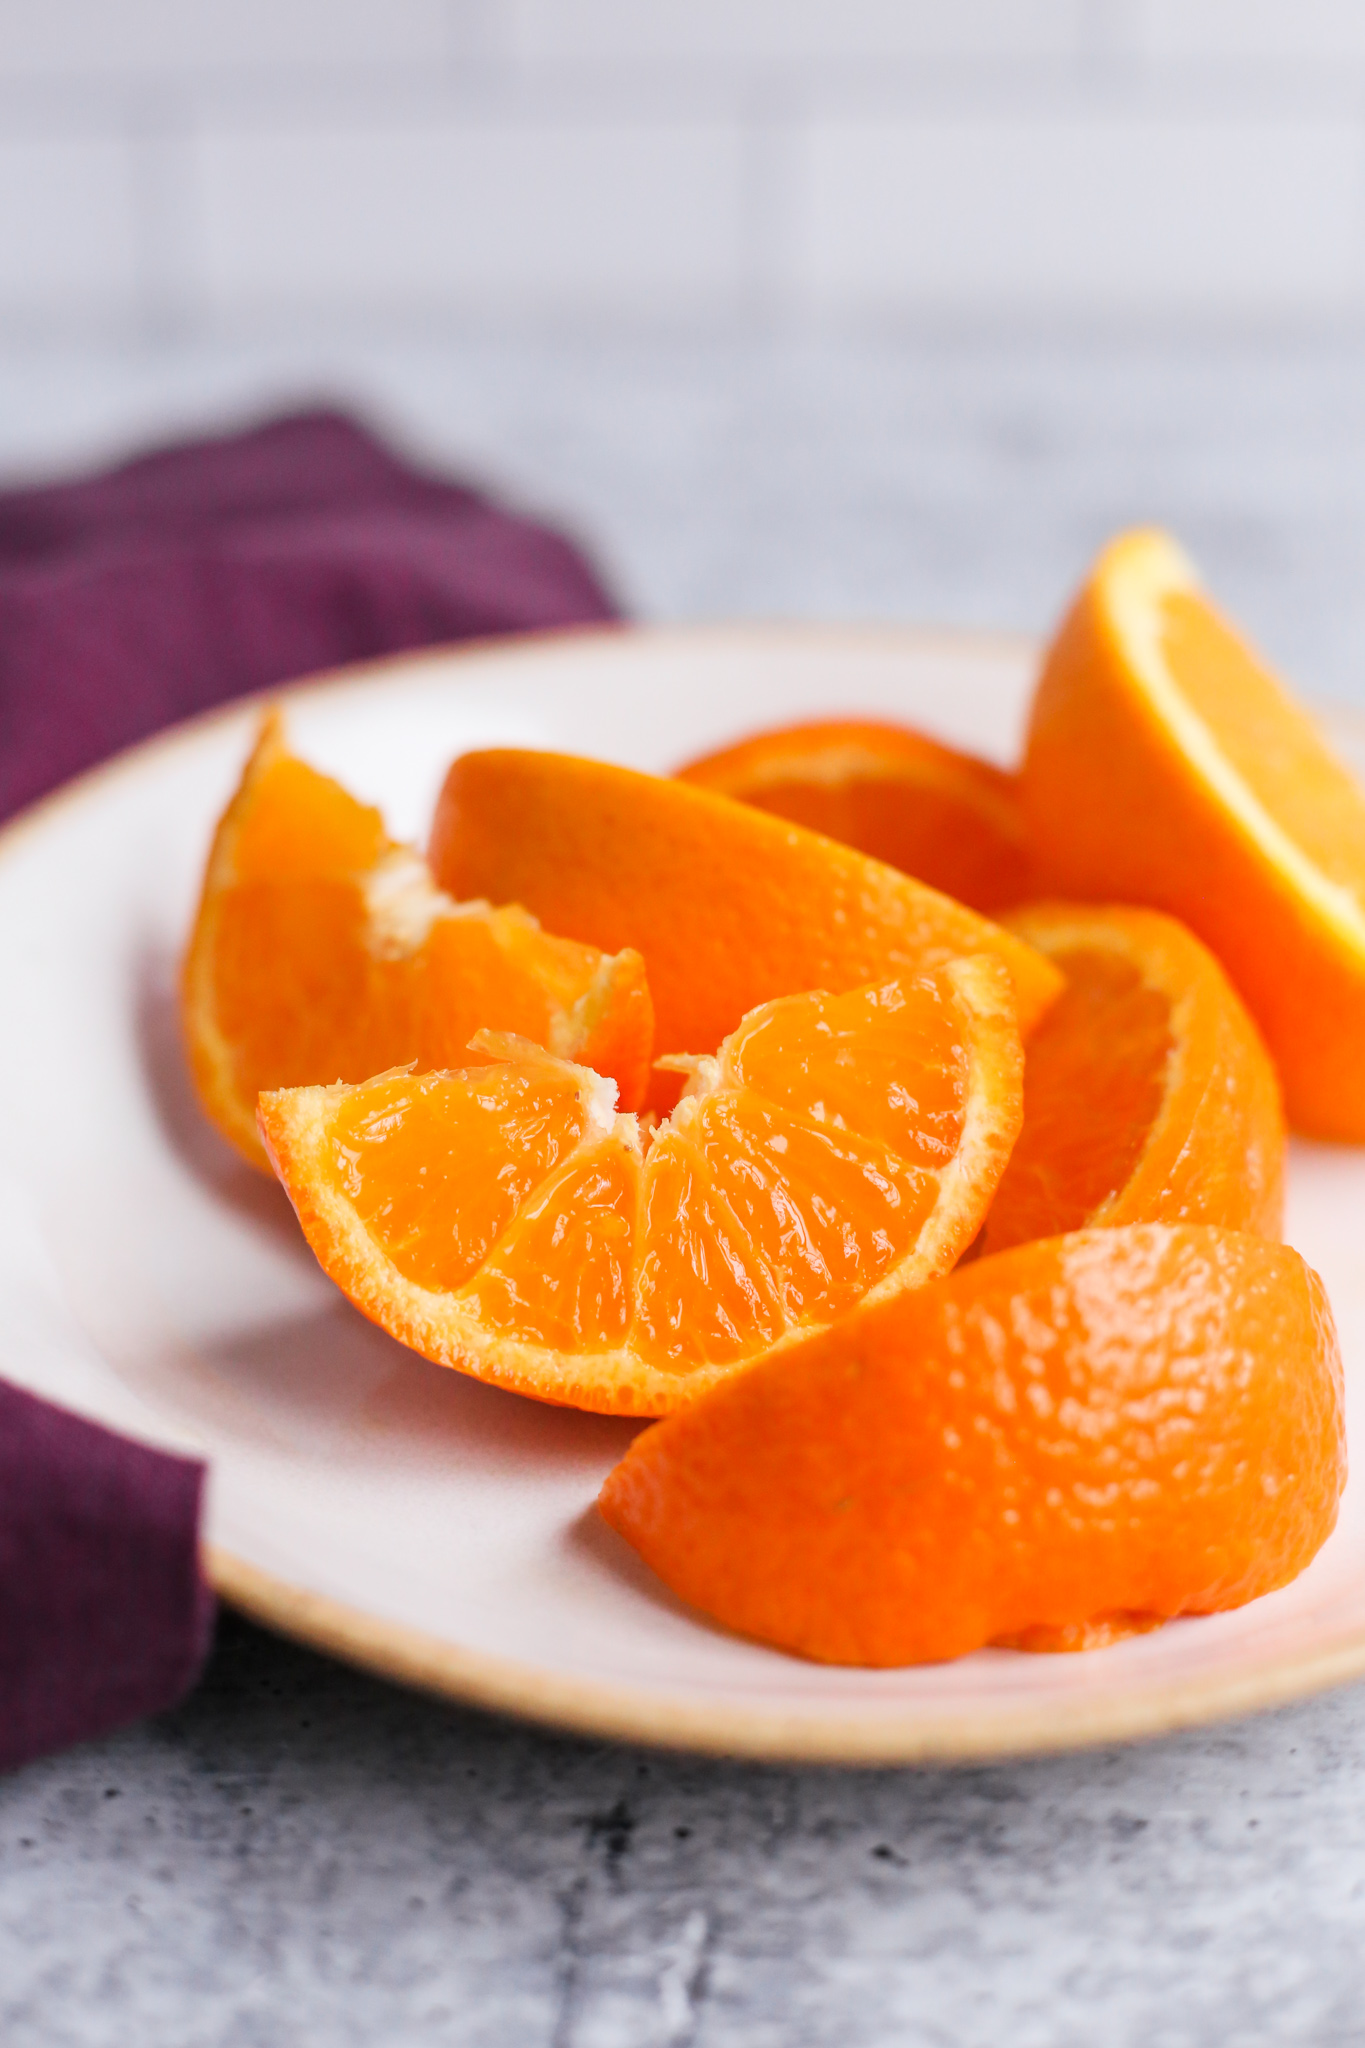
[396,1512]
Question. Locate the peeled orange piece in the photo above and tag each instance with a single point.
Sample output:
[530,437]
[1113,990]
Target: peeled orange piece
[1167,766]
[946,817]
[1148,1094]
[505,1220]
[323,951]
[1075,1438]
[730,908]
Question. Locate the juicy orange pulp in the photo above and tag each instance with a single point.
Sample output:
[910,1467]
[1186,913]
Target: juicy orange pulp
[1051,1447]
[506,1221]
[322,951]
[1148,1095]
[946,817]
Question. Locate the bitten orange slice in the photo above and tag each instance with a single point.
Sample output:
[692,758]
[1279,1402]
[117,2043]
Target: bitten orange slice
[1148,1094]
[946,817]
[1075,1438]
[507,1221]
[1167,766]
[729,907]
[323,951]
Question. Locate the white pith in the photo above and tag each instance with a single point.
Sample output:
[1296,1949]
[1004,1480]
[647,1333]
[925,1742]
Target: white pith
[402,903]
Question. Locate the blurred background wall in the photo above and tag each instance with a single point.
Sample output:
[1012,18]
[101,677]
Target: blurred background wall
[210,167]
[825,305]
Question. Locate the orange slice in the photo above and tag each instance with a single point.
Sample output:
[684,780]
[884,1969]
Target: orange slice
[1148,1094]
[947,818]
[1053,1446]
[730,908]
[323,951]
[1167,766]
[506,1221]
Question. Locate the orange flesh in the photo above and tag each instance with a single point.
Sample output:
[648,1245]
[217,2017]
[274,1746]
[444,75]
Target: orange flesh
[438,1164]
[1094,1082]
[821,1150]
[1148,1094]
[323,951]
[829,1212]
[562,1274]
[302,994]
[1274,746]
[302,826]
[840,1061]
[777,1201]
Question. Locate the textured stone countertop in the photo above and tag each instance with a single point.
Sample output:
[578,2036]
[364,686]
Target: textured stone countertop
[302,1854]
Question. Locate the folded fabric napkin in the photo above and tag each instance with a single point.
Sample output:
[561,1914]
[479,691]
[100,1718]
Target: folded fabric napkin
[128,600]
[202,572]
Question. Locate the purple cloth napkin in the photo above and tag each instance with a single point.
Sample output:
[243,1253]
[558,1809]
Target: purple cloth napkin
[103,1613]
[206,571]
[128,600]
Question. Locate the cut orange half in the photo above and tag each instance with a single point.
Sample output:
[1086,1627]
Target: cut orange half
[507,1221]
[1148,1094]
[946,817]
[729,907]
[323,951]
[1167,766]
[1050,1448]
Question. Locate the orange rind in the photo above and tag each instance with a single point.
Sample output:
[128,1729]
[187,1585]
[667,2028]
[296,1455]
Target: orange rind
[1053,1447]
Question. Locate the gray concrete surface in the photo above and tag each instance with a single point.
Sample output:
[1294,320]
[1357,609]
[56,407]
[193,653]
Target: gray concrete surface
[305,1855]
[302,1855]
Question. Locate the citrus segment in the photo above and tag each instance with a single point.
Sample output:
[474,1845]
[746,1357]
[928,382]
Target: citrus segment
[1166,765]
[324,951]
[1148,1094]
[946,817]
[730,908]
[505,1220]
[560,1278]
[439,1213]
[1055,1446]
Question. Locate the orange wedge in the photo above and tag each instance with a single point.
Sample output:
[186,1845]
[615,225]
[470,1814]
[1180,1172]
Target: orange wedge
[729,907]
[1167,766]
[323,951]
[505,1220]
[947,818]
[1148,1094]
[1075,1439]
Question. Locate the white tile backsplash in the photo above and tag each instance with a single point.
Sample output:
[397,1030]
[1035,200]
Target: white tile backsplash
[219,162]
[149,38]
[69,233]
[535,216]
[783,32]
[1233,32]
[1119,216]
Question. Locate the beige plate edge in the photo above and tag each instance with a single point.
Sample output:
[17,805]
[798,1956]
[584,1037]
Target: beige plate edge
[628,1714]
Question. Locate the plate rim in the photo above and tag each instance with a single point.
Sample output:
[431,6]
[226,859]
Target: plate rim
[580,1706]
[627,1713]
